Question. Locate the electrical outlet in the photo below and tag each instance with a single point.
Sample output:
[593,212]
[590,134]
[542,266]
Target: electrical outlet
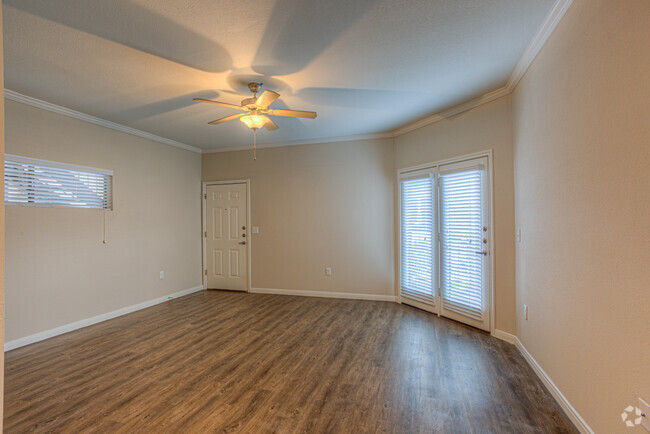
[526,312]
[162,275]
[255,229]
[328,271]
[645,414]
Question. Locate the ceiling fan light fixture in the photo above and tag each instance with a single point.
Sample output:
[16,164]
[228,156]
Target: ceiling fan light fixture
[255,110]
[254,121]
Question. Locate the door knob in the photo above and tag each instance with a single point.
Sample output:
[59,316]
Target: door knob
[242,242]
[484,253]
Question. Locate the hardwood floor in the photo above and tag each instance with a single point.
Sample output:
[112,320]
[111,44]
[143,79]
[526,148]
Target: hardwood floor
[236,362]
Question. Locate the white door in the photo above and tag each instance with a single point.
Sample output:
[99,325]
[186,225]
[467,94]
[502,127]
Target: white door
[464,253]
[226,236]
[444,241]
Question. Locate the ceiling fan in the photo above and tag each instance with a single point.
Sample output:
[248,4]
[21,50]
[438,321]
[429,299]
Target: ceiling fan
[255,109]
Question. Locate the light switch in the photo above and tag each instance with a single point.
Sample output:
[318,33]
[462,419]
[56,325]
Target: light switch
[328,271]
[519,235]
[255,229]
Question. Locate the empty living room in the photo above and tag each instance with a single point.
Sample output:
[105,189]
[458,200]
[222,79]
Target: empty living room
[325,216]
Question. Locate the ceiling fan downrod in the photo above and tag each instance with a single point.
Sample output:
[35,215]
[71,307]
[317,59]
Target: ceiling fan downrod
[254,87]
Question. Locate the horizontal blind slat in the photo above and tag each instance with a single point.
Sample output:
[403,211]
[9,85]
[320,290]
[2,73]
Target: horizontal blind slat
[28,184]
[417,238]
[461,237]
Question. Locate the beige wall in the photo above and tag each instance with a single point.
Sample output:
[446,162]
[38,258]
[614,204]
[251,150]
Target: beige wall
[58,270]
[486,127]
[2,231]
[582,176]
[318,206]
[333,205]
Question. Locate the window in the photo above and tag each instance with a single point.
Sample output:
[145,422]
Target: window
[31,182]
[417,221]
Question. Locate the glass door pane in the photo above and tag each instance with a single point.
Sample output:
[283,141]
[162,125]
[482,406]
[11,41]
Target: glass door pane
[464,242]
[417,272]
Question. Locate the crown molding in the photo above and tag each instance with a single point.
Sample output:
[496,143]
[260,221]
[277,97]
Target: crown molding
[34,102]
[352,138]
[436,117]
[550,23]
[548,26]
[445,114]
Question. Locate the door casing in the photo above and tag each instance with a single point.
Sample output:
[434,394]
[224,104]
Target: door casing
[204,226]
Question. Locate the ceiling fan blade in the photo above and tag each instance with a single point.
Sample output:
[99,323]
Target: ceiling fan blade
[225,104]
[270,125]
[227,118]
[292,113]
[267,97]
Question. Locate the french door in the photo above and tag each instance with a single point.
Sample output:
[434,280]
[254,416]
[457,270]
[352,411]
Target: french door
[444,248]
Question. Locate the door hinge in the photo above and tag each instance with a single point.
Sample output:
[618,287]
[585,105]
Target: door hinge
[206,272]
[205,234]
[205,195]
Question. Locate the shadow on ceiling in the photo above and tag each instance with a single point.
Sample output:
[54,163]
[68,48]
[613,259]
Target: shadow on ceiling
[357,98]
[168,105]
[298,31]
[134,26]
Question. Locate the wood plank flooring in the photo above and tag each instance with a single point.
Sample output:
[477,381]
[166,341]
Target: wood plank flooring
[233,362]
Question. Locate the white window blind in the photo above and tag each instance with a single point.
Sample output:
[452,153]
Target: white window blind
[461,222]
[417,255]
[31,182]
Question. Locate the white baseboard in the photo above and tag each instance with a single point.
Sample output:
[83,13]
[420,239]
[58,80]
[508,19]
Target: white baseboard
[577,420]
[325,294]
[504,336]
[95,319]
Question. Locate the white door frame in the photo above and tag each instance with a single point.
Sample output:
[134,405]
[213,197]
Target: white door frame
[435,164]
[204,267]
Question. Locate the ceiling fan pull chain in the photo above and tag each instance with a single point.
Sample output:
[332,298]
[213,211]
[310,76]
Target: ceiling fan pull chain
[254,144]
